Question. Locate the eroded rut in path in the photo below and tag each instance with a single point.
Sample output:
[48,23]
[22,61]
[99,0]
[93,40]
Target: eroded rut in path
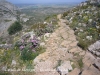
[61,47]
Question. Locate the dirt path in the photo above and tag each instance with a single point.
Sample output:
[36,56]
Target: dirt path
[61,45]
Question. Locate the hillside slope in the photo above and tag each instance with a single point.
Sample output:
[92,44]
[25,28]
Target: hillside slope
[64,55]
[85,21]
[8,15]
[61,45]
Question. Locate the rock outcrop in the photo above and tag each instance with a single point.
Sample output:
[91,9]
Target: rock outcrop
[8,15]
[95,48]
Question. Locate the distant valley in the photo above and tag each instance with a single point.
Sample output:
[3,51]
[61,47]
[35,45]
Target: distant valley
[38,12]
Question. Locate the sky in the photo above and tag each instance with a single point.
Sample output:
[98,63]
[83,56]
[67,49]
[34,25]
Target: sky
[43,1]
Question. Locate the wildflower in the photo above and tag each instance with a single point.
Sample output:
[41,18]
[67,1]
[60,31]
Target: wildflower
[22,41]
[31,47]
[33,41]
[21,47]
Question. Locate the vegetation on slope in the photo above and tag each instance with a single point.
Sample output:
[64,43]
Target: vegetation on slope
[14,28]
[85,21]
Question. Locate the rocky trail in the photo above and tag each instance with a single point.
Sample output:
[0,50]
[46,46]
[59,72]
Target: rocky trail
[62,53]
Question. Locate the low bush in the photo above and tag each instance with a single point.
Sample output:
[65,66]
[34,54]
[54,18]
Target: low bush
[29,50]
[6,57]
[82,44]
[80,63]
[27,54]
[14,28]
[65,14]
[42,29]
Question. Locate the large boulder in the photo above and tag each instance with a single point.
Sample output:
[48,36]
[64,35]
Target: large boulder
[95,48]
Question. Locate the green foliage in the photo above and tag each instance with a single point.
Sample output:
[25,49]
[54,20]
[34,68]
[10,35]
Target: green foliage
[80,63]
[14,28]
[98,5]
[83,44]
[73,66]
[77,14]
[6,57]
[52,18]
[84,7]
[58,64]
[7,20]
[65,14]
[74,24]
[4,73]
[27,55]
[41,29]
[40,49]
[88,22]
[29,65]
[85,19]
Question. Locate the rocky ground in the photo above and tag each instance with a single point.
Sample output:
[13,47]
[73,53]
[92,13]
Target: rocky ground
[63,56]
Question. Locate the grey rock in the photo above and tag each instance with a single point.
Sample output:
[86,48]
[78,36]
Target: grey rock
[97,53]
[95,48]
[6,46]
[4,68]
[80,24]
[42,44]
[97,27]
[90,20]
[29,35]
[81,30]
[84,25]
[13,62]
[64,68]
[97,62]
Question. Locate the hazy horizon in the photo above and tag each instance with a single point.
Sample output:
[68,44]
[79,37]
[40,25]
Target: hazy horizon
[45,1]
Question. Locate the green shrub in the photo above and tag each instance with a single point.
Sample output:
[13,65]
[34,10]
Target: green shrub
[82,44]
[73,66]
[6,57]
[98,5]
[80,63]
[27,55]
[85,19]
[84,7]
[42,29]
[40,49]
[65,14]
[14,28]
